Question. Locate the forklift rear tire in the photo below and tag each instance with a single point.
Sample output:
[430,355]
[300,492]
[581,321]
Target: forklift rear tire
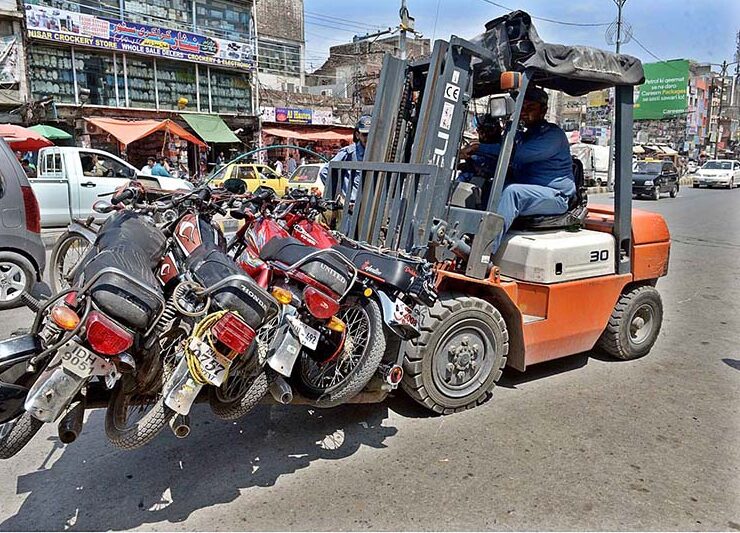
[456,362]
[634,324]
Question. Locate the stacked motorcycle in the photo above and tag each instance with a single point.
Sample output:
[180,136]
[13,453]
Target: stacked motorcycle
[158,312]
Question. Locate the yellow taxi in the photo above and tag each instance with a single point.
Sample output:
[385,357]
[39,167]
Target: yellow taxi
[254,175]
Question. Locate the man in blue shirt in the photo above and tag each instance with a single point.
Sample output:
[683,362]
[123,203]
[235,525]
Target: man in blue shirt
[540,180]
[353,152]
[159,170]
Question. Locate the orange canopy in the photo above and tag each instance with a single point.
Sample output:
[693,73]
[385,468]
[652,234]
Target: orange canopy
[128,131]
[333,134]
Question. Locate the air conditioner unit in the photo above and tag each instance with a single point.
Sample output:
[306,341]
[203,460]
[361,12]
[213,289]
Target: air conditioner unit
[91,129]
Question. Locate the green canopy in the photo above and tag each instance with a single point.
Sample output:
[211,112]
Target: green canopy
[50,132]
[211,128]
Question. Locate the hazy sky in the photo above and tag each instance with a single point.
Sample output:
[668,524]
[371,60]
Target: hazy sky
[703,30]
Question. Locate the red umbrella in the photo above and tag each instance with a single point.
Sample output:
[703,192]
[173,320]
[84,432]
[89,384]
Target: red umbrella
[23,139]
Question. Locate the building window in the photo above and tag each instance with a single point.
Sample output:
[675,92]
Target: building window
[279,58]
[167,13]
[204,90]
[176,79]
[50,73]
[230,92]
[227,20]
[141,84]
[97,73]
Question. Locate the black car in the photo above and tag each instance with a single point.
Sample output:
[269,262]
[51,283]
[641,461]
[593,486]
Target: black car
[651,178]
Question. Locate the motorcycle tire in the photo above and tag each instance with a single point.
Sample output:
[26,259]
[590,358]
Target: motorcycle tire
[354,314]
[228,408]
[14,435]
[126,435]
[62,247]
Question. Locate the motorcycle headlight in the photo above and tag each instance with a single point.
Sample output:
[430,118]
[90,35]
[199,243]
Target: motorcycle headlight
[648,183]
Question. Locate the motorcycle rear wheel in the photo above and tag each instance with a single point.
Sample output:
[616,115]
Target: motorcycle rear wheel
[123,428]
[14,435]
[342,378]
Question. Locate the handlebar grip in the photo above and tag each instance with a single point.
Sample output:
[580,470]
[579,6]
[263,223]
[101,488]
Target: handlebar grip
[123,196]
[204,194]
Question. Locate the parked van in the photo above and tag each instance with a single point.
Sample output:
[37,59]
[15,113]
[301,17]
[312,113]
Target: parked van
[69,180]
[595,161]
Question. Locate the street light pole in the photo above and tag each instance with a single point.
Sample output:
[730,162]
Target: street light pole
[723,73]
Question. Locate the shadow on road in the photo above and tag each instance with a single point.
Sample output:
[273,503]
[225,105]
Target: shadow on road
[511,377]
[734,363]
[92,486]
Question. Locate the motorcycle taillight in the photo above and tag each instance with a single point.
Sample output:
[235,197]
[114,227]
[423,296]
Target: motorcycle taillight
[233,332]
[319,304]
[105,336]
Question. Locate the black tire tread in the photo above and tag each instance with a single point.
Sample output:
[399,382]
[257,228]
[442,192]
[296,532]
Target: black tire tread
[13,438]
[610,341]
[445,306]
[143,432]
[234,410]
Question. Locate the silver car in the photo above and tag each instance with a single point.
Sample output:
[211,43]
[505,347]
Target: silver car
[22,254]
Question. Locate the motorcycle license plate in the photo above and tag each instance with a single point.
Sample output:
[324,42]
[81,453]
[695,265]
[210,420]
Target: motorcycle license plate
[77,359]
[213,370]
[307,336]
[404,315]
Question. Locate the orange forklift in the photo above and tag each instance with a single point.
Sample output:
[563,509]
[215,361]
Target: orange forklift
[558,285]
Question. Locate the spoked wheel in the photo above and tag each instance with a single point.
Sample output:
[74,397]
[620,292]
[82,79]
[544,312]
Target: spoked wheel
[68,251]
[133,419]
[247,383]
[332,381]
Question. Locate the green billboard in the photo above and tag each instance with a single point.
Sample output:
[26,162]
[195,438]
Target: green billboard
[663,95]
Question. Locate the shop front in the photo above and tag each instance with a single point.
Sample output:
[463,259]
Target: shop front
[92,65]
[313,129]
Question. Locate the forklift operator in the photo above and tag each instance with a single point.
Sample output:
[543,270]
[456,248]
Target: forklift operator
[353,152]
[540,181]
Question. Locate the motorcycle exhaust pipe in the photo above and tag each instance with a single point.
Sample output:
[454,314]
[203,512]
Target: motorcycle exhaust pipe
[52,392]
[70,426]
[281,391]
[180,425]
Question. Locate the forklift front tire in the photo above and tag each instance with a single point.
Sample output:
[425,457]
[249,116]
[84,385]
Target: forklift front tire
[456,362]
[634,324]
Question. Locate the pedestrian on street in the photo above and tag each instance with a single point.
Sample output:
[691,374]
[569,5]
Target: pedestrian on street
[146,170]
[28,169]
[279,167]
[221,159]
[159,170]
[353,152]
[292,165]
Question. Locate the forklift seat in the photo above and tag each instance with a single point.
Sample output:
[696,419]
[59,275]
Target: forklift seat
[573,218]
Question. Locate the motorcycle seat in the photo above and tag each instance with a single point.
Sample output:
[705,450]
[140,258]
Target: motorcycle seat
[243,296]
[131,229]
[324,268]
[394,271]
[117,296]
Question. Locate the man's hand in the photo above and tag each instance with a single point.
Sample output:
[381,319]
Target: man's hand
[467,151]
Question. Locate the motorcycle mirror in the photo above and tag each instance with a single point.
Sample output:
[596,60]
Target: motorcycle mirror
[102,206]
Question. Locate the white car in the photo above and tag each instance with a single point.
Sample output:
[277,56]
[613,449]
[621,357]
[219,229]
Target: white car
[718,173]
[308,177]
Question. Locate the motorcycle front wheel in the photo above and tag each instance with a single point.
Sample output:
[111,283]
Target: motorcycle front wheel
[67,253]
[333,382]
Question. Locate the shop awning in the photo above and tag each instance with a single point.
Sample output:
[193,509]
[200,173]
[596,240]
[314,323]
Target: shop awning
[211,128]
[128,131]
[23,139]
[637,149]
[305,134]
[50,132]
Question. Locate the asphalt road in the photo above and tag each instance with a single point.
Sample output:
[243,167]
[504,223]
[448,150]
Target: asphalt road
[582,443]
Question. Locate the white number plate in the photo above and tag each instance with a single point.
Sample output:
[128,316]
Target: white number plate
[77,359]
[307,336]
[403,314]
[213,370]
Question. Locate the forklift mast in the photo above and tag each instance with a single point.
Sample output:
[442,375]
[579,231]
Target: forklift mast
[407,175]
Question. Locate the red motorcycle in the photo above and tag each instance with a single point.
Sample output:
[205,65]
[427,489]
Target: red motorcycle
[341,329]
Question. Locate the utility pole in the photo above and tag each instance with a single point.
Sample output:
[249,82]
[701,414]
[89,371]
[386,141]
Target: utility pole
[407,24]
[618,38]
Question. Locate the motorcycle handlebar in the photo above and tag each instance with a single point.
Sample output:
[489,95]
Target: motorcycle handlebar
[123,196]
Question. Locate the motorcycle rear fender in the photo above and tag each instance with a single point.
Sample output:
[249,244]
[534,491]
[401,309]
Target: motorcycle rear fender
[181,389]
[387,306]
[53,391]
[85,231]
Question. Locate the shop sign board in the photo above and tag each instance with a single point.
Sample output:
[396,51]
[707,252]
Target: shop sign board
[79,29]
[291,115]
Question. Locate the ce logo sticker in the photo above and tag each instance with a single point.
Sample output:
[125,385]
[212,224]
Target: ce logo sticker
[452,92]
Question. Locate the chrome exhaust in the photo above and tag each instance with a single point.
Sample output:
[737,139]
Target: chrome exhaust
[70,426]
[281,391]
[52,392]
[180,425]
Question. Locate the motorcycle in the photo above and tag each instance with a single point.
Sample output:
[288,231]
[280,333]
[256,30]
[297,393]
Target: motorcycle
[342,333]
